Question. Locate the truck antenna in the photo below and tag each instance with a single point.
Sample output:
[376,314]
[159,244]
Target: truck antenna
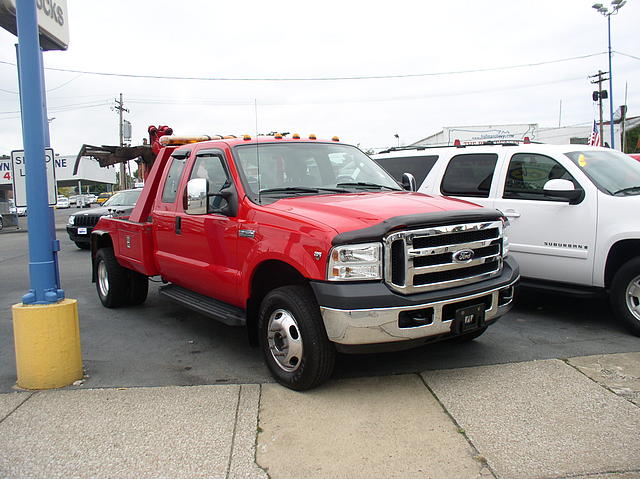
[255,106]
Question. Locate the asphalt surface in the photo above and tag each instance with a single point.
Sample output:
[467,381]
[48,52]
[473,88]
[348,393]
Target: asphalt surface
[163,344]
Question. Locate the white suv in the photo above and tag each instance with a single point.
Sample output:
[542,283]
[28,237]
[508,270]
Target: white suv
[574,210]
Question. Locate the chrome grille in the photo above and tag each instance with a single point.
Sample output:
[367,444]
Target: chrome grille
[441,257]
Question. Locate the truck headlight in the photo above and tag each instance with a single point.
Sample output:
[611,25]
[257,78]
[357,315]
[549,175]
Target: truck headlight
[72,218]
[355,262]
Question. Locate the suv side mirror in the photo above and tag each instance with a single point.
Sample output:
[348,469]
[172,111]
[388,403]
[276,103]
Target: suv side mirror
[197,195]
[409,182]
[565,189]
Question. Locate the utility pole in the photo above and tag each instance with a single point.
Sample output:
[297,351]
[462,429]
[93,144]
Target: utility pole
[120,107]
[598,96]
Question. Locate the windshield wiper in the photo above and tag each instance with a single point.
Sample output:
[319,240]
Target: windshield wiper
[368,185]
[302,189]
[627,190]
[290,189]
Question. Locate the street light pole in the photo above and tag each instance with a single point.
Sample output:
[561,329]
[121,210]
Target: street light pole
[613,141]
[616,5]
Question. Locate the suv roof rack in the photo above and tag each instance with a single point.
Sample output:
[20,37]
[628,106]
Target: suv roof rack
[457,144]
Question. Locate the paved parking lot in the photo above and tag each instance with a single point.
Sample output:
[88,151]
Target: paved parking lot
[162,344]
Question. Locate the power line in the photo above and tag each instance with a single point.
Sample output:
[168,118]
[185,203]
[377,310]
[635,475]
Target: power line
[276,79]
[626,55]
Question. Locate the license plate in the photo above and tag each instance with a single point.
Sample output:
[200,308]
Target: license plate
[469,318]
[82,231]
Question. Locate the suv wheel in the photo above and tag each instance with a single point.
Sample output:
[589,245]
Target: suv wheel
[625,295]
[293,340]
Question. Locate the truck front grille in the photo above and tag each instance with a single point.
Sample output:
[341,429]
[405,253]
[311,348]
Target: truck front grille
[441,257]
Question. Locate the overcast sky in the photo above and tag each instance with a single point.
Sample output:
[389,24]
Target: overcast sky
[284,39]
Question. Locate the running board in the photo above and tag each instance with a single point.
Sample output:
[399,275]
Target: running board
[223,312]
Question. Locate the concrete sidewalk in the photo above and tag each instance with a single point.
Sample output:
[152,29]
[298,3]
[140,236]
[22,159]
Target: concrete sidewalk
[577,418]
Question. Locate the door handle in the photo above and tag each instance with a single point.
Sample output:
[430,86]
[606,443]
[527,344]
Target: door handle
[511,214]
[178,225]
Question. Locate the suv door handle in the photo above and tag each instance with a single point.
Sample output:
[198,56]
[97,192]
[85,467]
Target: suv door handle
[178,225]
[511,214]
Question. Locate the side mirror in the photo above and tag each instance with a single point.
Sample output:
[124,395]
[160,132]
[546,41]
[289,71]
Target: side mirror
[564,189]
[409,182]
[197,194]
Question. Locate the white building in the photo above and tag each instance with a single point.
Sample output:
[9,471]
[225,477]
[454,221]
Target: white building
[561,135]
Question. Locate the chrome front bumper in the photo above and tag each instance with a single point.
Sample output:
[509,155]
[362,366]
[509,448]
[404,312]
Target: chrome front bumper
[381,325]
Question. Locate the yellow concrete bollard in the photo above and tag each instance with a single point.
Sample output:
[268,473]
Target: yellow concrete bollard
[47,340]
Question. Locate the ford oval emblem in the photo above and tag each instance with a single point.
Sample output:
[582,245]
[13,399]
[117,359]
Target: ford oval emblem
[463,256]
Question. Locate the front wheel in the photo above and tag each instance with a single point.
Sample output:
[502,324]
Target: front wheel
[293,340]
[82,245]
[625,295]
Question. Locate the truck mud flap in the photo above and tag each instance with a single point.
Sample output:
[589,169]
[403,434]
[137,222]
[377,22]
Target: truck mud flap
[225,313]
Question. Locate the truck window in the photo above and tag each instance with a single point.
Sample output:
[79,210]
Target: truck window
[213,169]
[469,175]
[528,173]
[418,166]
[170,189]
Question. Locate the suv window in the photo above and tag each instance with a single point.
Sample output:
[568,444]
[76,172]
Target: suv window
[528,173]
[213,169]
[469,175]
[170,189]
[418,166]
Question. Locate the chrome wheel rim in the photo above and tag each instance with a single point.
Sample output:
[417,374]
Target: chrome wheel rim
[633,297]
[285,340]
[103,279]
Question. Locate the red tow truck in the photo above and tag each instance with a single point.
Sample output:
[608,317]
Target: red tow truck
[308,244]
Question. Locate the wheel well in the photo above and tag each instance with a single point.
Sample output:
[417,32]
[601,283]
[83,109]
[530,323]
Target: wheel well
[268,276]
[620,253]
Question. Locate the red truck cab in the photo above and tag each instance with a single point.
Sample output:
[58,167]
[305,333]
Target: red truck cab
[311,246]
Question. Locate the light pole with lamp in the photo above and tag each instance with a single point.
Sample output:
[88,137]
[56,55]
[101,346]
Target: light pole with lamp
[615,6]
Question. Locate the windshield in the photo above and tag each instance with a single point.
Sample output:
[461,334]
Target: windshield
[310,168]
[124,198]
[611,171]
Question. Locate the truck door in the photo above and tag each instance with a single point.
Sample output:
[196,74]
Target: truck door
[209,241]
[164,218]
[551,239]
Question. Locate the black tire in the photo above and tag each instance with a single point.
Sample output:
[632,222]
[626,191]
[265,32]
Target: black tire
[293,310]
[465,338]
[82,245]
[625,295]
[112,280]
[138,287]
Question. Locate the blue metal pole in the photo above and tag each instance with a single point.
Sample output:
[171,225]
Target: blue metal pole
[613,137]
[42,259]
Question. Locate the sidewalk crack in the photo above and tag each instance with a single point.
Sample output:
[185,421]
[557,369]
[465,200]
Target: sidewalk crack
[16,408]
[602,385]
[479,457]
[233,437]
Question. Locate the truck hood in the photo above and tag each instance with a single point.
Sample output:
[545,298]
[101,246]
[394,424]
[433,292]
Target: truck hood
[348,212]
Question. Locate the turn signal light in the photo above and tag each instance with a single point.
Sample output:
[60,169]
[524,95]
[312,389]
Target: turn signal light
[335,138]
[296,136]
[246,137]
[456,143]
[278,136]
[312,136]
[526,140]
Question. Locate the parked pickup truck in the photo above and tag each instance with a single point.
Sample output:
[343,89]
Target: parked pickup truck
[311,246]
[573,209]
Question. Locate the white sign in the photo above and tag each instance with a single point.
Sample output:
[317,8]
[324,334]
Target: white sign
[474,135]
[53,22]
[20,175]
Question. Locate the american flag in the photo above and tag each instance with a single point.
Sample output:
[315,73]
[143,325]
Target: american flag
[594,139]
